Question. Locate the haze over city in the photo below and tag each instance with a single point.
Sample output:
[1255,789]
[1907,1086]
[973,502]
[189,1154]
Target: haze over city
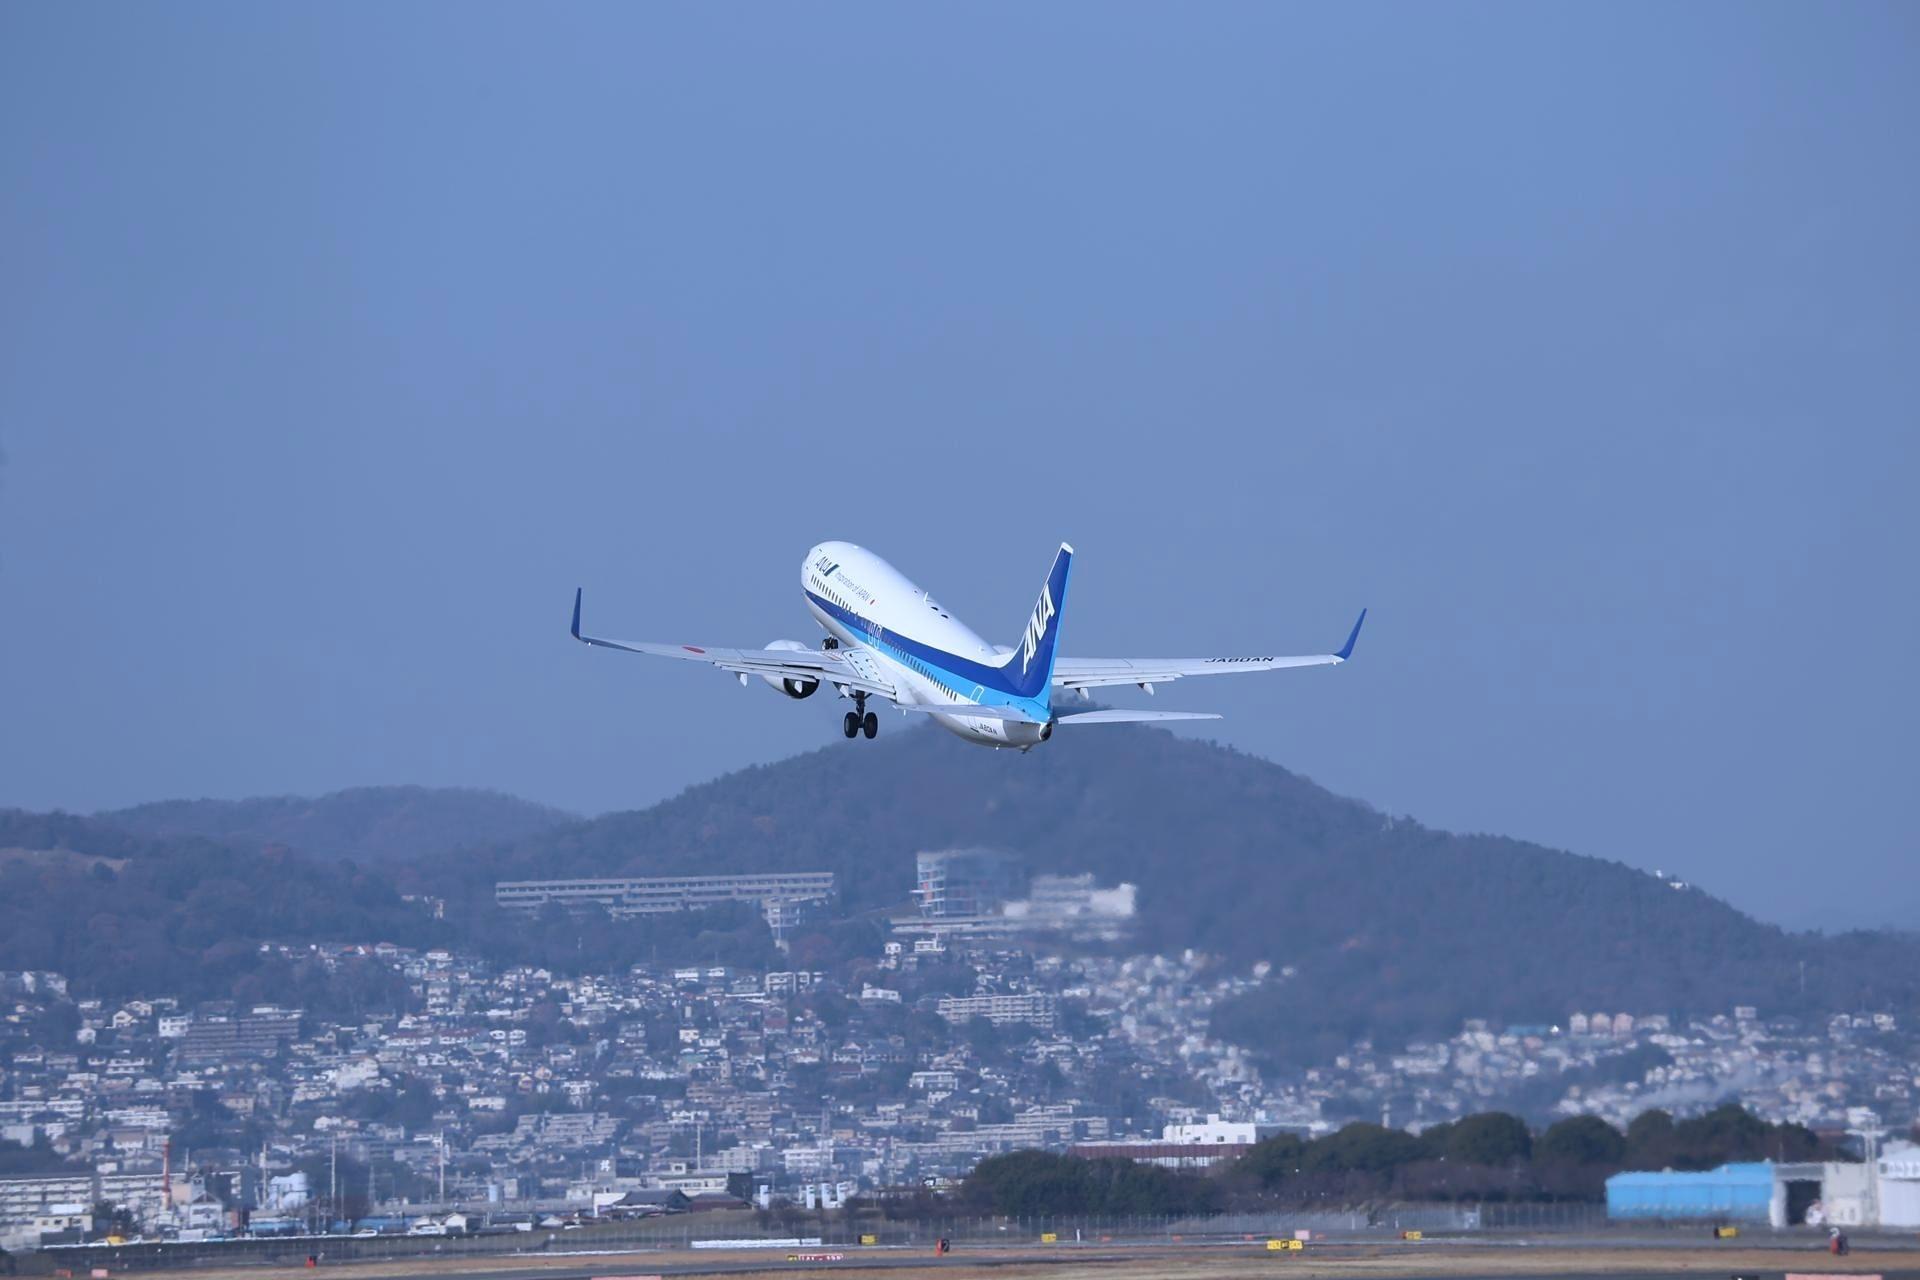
[338,347]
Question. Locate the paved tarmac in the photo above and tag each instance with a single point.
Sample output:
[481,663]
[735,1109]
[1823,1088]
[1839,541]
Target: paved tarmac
[1477,1258]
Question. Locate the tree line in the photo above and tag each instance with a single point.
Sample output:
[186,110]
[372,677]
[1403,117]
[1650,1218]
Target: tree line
[1036,1184]
[1489,1156]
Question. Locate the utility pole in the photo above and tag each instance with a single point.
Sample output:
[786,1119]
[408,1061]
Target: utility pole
[443,1169]
[333,1177]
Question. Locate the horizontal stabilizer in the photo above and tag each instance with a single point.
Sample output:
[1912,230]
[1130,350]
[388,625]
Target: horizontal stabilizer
[1093,673]
[973,709]
[1120,716]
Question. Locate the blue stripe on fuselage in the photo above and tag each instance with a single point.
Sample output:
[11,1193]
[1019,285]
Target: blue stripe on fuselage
[961,673]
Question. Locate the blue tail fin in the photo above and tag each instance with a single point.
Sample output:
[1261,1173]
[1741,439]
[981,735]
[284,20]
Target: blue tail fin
[1030,666]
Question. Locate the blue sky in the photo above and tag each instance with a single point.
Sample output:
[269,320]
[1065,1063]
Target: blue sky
[337,345]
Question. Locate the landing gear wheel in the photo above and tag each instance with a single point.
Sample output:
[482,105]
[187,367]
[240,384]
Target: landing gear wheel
[870,725]
[851,725]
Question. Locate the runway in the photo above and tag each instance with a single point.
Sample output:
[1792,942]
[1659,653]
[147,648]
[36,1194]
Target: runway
[1427,1260]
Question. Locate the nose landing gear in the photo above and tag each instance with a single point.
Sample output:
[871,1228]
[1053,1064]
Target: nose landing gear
[861,720]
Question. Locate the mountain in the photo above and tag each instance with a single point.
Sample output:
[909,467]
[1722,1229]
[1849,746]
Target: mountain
[1392,928]
[1379,927]
[375,825]
[123,914]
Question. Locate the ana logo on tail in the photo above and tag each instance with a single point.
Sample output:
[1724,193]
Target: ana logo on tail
[1036,628]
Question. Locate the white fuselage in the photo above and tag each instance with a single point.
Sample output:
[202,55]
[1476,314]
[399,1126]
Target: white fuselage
[879,615]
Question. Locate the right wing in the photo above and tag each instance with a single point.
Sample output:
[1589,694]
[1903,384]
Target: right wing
[1089,673]
[830,666]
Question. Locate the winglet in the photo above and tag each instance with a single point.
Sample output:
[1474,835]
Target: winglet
[1346,650]
[576,613]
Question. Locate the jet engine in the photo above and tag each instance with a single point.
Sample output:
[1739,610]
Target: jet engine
[786,684]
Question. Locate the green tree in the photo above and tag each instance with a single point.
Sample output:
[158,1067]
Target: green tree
[1362,1147]
[1492,1137]
[1581,1140]
[1124,1187]
[1796,1142]
[1434,1139]
[1041,1184]
[1273,1160]
[1650,1140]
[1030,1183]
[1724,1133]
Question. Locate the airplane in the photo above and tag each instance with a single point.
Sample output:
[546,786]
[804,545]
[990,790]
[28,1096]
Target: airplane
[888,638]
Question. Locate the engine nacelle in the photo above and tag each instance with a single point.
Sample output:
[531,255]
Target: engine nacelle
[785,684]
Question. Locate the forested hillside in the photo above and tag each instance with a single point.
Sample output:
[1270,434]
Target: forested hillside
[366,824]
[121,914]
[1391,928]
[1394,928]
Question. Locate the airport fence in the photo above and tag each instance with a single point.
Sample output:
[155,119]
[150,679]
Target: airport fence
[1552,1215]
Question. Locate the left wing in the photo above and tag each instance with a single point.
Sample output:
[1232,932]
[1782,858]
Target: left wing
[1088,673]
[830,666]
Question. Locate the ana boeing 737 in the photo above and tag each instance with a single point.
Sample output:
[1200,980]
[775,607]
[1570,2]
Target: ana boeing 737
[890,639]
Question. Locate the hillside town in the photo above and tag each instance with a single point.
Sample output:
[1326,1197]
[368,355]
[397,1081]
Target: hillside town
[968,1033]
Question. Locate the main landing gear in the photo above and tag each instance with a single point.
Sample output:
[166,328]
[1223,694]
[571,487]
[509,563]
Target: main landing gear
[861,720]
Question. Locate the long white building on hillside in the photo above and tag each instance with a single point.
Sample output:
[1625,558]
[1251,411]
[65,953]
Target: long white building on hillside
[652,895]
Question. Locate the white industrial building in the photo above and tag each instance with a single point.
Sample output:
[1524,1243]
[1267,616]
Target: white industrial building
[1898,1192]
[1197,1144]
[1884,1192]
[1215,1130]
